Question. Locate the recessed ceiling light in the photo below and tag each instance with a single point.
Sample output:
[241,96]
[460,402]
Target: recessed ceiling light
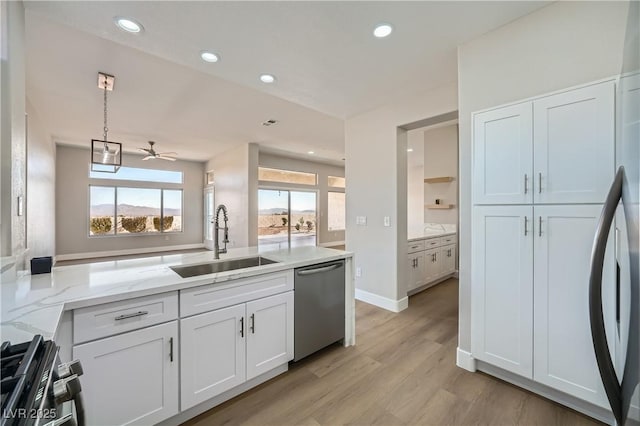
[310,152]
[129,25]
[409,149]
[270,122]
[382,30]
[267,78]
[209,56]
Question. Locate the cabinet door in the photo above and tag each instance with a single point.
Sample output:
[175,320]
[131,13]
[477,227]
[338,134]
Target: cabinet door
[416,270]
[432,265]
[502,156]
[131,378]
[502,290]
[564,358]
[213,354]
[448,259]
[574,145]
[269,333]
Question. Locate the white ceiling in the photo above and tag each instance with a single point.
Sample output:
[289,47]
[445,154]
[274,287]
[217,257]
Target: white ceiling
[328,66]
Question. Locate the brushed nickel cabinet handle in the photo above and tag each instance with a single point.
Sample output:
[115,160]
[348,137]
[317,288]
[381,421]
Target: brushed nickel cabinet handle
[127,316]
[526,225]
[540,226]
[242,327]
[526,181]
[171,349]
[539,182]
[253,324]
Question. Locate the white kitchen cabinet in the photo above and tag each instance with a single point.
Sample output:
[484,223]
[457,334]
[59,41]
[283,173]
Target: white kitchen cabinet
[502,291]
[131,378]
[416,270]
[269,333]
[224,348]
[213,354]
[557,149]
[563,350]
[448,258]
[503,158]
[573,145]
[433,265]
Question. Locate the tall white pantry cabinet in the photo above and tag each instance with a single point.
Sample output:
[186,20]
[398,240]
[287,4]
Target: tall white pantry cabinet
[541,171]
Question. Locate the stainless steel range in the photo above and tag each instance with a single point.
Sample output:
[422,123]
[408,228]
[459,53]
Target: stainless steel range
[36,389]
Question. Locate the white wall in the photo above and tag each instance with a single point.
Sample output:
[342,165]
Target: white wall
[322,171]
[236,186]
[560,45]
[441,159]
[415,180]
[72,204]
[13,129]
[376,163]
[41,189]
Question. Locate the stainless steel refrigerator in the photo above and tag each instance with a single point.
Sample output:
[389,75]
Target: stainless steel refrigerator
[617,346]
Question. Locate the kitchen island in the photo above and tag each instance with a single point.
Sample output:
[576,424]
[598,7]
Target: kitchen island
[188,343]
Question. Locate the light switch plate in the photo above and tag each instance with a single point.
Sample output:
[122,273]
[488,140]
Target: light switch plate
[358,272]
[387,221]
[361,220]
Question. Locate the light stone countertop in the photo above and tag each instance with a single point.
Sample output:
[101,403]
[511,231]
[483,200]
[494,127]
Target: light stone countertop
[33,304]
[430,230]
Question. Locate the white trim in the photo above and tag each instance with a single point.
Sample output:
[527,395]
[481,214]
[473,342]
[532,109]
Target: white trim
[465,360]
[331,244]
[225,396]
[382,302]
[567,400]
[109,253]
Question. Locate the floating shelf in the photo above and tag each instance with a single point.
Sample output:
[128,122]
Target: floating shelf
[439,179]
[439,206]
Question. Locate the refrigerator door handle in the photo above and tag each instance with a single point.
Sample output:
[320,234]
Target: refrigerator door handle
[598,334]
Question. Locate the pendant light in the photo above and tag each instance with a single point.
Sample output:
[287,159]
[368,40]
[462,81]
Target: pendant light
[105,156]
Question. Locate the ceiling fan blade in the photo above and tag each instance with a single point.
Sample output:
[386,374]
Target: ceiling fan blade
[148,157]
[168,153]
[145,150]
[166,158]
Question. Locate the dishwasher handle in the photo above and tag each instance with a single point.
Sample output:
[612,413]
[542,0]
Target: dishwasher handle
[319,270]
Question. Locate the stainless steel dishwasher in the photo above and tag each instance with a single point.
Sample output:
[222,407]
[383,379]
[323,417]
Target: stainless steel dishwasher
[319,307]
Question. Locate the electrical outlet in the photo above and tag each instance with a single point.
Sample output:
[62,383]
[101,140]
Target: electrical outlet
[387,221]
[358,272]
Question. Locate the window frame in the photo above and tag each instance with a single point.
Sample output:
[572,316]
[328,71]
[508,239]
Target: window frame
[115,216]
[280,182]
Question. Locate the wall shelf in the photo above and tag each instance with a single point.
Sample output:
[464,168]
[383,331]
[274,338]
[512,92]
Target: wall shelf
[439,179]
[439,206]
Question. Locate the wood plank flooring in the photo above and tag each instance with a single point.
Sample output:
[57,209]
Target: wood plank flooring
[401,372]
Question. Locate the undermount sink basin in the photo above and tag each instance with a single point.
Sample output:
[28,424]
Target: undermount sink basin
[220,266]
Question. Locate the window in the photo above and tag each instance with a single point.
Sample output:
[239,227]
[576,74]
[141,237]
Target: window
[286,176]
[140,175]
[124,210]
[336,213]
[335,181]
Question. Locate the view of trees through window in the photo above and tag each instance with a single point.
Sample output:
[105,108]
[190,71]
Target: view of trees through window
[124,210]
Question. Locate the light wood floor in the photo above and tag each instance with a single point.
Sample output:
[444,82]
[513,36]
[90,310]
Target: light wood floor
[401,372]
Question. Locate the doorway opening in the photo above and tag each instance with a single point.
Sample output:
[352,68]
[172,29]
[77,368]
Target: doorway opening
[287,218]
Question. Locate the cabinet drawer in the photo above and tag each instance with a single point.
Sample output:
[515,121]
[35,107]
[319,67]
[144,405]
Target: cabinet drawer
[431,243]
[415,246]
[215,296]
[95,322]
[449,239]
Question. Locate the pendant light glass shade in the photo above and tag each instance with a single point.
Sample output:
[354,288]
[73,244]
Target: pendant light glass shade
[105,156]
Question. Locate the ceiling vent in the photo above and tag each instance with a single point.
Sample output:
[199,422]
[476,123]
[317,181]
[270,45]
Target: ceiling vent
[269,122]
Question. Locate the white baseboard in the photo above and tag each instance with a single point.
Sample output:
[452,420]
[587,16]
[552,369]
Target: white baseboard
[331,244]
[465,360]
[382,302]
[90,255]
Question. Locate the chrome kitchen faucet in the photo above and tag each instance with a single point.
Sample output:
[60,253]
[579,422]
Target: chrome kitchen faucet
[216,229]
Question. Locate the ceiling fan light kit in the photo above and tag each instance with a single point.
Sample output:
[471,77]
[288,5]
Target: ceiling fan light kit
[105,156]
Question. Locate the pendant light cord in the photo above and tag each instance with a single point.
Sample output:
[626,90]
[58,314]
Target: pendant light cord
[106,129]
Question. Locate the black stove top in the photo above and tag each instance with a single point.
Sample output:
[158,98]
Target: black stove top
[27,371]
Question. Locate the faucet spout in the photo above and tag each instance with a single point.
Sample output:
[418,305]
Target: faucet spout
[216,231]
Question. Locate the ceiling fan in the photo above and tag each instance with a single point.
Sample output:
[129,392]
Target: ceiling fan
[152,154]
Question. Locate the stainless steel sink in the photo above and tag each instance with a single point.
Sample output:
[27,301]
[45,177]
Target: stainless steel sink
[220,266]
